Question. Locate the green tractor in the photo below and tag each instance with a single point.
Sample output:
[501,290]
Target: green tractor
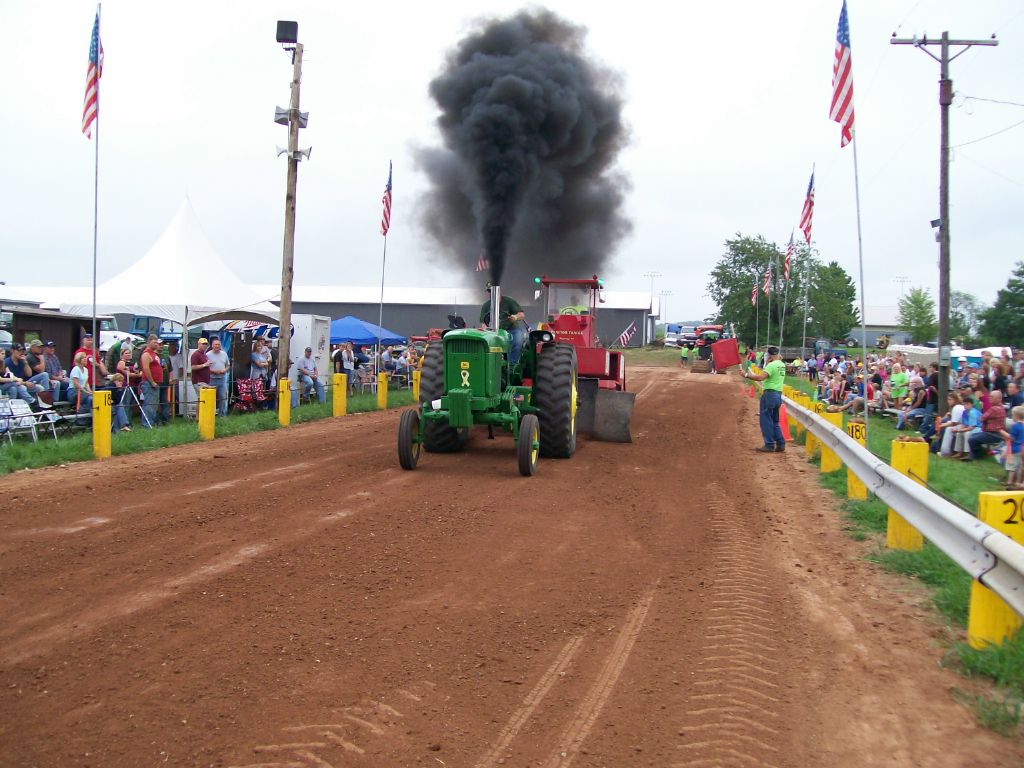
[467,380]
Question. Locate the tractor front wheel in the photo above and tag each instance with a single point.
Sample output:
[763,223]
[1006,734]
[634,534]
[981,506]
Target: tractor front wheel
[554,395]
[437,437]
[408,439]
[528,445]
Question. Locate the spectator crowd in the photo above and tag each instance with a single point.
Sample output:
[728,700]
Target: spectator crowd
[983,414]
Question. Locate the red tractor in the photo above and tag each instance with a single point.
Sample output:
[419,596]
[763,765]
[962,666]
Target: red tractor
[570,312]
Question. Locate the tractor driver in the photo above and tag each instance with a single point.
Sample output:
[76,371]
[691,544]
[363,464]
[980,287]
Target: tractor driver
[512,320]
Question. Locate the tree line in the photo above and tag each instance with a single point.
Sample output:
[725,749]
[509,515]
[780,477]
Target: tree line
[830,295]
[830,298]
[970,322]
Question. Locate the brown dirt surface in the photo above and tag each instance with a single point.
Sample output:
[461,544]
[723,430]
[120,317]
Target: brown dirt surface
[293,599]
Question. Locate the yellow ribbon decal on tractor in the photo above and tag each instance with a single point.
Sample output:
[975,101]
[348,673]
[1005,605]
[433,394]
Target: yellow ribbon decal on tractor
[465,378]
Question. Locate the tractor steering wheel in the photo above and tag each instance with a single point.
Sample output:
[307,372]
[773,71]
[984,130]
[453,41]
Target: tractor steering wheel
[568,311]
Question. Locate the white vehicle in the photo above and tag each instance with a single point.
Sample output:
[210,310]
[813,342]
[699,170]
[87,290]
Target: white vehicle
[110,335]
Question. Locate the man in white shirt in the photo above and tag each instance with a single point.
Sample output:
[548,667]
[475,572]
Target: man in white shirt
[309,376]
[220,365]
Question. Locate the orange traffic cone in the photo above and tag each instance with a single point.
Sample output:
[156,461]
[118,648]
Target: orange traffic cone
[784,424]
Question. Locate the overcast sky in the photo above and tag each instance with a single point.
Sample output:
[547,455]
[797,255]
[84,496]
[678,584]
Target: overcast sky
[727,104]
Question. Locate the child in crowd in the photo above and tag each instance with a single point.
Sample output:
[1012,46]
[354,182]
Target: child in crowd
[1015,436]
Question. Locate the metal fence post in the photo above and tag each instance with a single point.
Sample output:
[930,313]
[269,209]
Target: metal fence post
[382,391]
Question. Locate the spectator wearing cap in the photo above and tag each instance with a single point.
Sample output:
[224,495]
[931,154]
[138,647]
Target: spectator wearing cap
[309,376]
[773,375]
[92,357]
[200,364]
[34,381]
[59,380]
[12,385]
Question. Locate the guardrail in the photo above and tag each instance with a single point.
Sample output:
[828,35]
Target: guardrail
[992,558]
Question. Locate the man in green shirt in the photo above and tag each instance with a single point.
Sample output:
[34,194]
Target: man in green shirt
[773,375]
[511,317]
[684,355]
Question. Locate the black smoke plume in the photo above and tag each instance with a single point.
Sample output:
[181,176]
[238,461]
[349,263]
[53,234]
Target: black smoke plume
[531,131]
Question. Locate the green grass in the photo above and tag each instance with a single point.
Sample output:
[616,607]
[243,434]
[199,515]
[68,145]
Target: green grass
[652,355]
[24,454]
[961,482]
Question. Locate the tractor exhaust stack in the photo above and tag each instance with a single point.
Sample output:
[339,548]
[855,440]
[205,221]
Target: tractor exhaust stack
[495,306]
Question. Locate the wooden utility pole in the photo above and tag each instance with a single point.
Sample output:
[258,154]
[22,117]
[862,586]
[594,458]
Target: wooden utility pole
[945,99]
[288,260]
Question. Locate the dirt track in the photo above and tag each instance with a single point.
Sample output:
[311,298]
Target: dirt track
[295,599]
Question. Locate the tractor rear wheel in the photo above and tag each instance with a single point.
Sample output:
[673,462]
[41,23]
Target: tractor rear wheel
[527,448]
[408,438]
[554,395]
[437,437]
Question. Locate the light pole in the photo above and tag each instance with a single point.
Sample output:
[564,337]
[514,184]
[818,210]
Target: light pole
[287,35]
[664,305]
[650,309]
[901,281]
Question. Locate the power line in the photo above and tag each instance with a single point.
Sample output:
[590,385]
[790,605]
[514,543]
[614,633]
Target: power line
[992,101]
[994,172]
[982,138]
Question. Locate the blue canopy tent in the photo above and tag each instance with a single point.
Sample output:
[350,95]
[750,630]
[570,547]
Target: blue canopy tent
[358,331]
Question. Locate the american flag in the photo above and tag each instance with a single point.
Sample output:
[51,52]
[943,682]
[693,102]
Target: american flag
[481,263]
[842,80]
[753,293]
[627,334]
[385,220]
[767,280]
[808,212]
[92,80]
[789,255]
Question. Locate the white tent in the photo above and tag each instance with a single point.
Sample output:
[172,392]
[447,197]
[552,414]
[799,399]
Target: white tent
[181,278]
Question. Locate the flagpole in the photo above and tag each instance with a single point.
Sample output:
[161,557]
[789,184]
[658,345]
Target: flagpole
[757,312]
[785,294]
[768,332]
[807,284]
[96,211]
[380,313]
[860,260]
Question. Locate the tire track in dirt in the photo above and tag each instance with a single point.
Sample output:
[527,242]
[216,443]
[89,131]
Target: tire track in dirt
[732,715]
[369,727]
[585,716]
[533,699]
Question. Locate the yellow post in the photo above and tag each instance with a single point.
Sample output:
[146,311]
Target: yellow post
[207,412]
[910,459]
[812,445]
[829,460]
[101,424]
[798,398]
[284,402]
[855,488]
[339,382]
[416,386]
[991,620]
[382,391]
